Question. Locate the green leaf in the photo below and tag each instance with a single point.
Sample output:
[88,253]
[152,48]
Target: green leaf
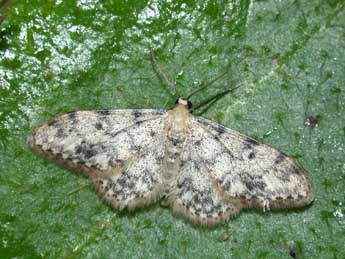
[56,56]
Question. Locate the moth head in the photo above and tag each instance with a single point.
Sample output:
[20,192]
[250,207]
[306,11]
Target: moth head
[185,102]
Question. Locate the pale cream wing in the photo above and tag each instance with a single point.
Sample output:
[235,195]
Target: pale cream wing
[196,196]
[121,150]
[246,172]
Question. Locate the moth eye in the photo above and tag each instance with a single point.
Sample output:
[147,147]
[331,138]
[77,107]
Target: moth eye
[189,105]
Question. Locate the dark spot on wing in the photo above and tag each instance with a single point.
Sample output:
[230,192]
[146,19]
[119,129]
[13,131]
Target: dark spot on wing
[115,162]
[71,115]
[52,122]
[253,182]
[103,112]
[85,150]
[188,205]
[134,147]
[255,185]
[136,113]
[90,153]
[78,149]
[60,133]
[226,184]
[197,143]
[174,141]
[229,153]
[196,165]
[132,143]
[179,185]
[196,198]
[159,158]
[139,122]
[99,125]
[284,175]
[152,133]
[182,163]
[251,142]
[220,129]
[296,170]
[81,161]
[280,158]
[126,186]
[251,155]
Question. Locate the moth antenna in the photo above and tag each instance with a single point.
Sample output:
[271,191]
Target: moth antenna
[162,76]
[207,84]
[214,98]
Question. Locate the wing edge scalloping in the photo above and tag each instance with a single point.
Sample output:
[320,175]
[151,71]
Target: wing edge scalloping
[68,164]
[181,211]
[132,204]
[256,203]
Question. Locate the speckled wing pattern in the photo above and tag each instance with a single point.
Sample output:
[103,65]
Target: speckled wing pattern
[120,150]
[197,197]
[206,172]
[246,173]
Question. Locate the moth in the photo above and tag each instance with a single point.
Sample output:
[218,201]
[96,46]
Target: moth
[204,171]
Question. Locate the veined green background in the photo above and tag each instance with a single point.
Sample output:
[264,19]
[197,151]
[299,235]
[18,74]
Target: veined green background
[57,56]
